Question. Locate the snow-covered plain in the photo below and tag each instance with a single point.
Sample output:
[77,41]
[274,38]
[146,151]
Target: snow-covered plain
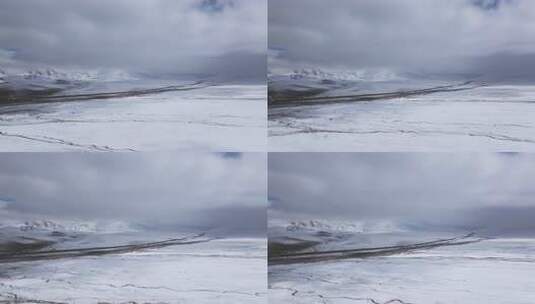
[497,271]
[210,117]
[482,118]
[480,270]
[214,271]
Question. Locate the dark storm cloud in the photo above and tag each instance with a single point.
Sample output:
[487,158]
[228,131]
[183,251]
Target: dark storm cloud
[158,189]
[156,36]
[502,220]
[455,36]
[490,4]
[473,190]
[506,67]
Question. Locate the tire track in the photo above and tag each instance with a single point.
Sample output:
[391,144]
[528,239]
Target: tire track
[58,141]
[307,130]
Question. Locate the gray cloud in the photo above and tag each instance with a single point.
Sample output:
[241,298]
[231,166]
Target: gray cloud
[158,36]
[156,189]
[473,190]
[457,36]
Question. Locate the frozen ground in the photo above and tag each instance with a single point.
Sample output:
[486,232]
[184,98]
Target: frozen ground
[477,118]
[497,271]
[210,117]
[215,271]
[388,268]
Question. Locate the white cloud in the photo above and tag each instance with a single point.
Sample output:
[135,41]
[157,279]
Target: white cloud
[399,185]
[433,35]
[154,36]
[157,188]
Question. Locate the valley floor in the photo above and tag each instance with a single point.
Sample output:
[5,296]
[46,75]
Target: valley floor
[484,118]
[494,271]
[217,271]
[215,118]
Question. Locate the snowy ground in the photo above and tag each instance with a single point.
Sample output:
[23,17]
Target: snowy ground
[222,118]
[217,271]
[496,271]
[467,269]
[486,118]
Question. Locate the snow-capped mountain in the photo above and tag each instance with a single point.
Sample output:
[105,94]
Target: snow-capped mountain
[2,75]
[382,226]
[57,75]
[48,225]
[357,75]
[34,224]
[18,74]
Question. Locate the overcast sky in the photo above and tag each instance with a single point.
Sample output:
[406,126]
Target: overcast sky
[490,191]
[224,37]
[221,191]
[495,38]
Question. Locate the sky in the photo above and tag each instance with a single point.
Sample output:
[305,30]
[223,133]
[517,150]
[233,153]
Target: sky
[227,38]
[224,192]
[493,192]
[494,39]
